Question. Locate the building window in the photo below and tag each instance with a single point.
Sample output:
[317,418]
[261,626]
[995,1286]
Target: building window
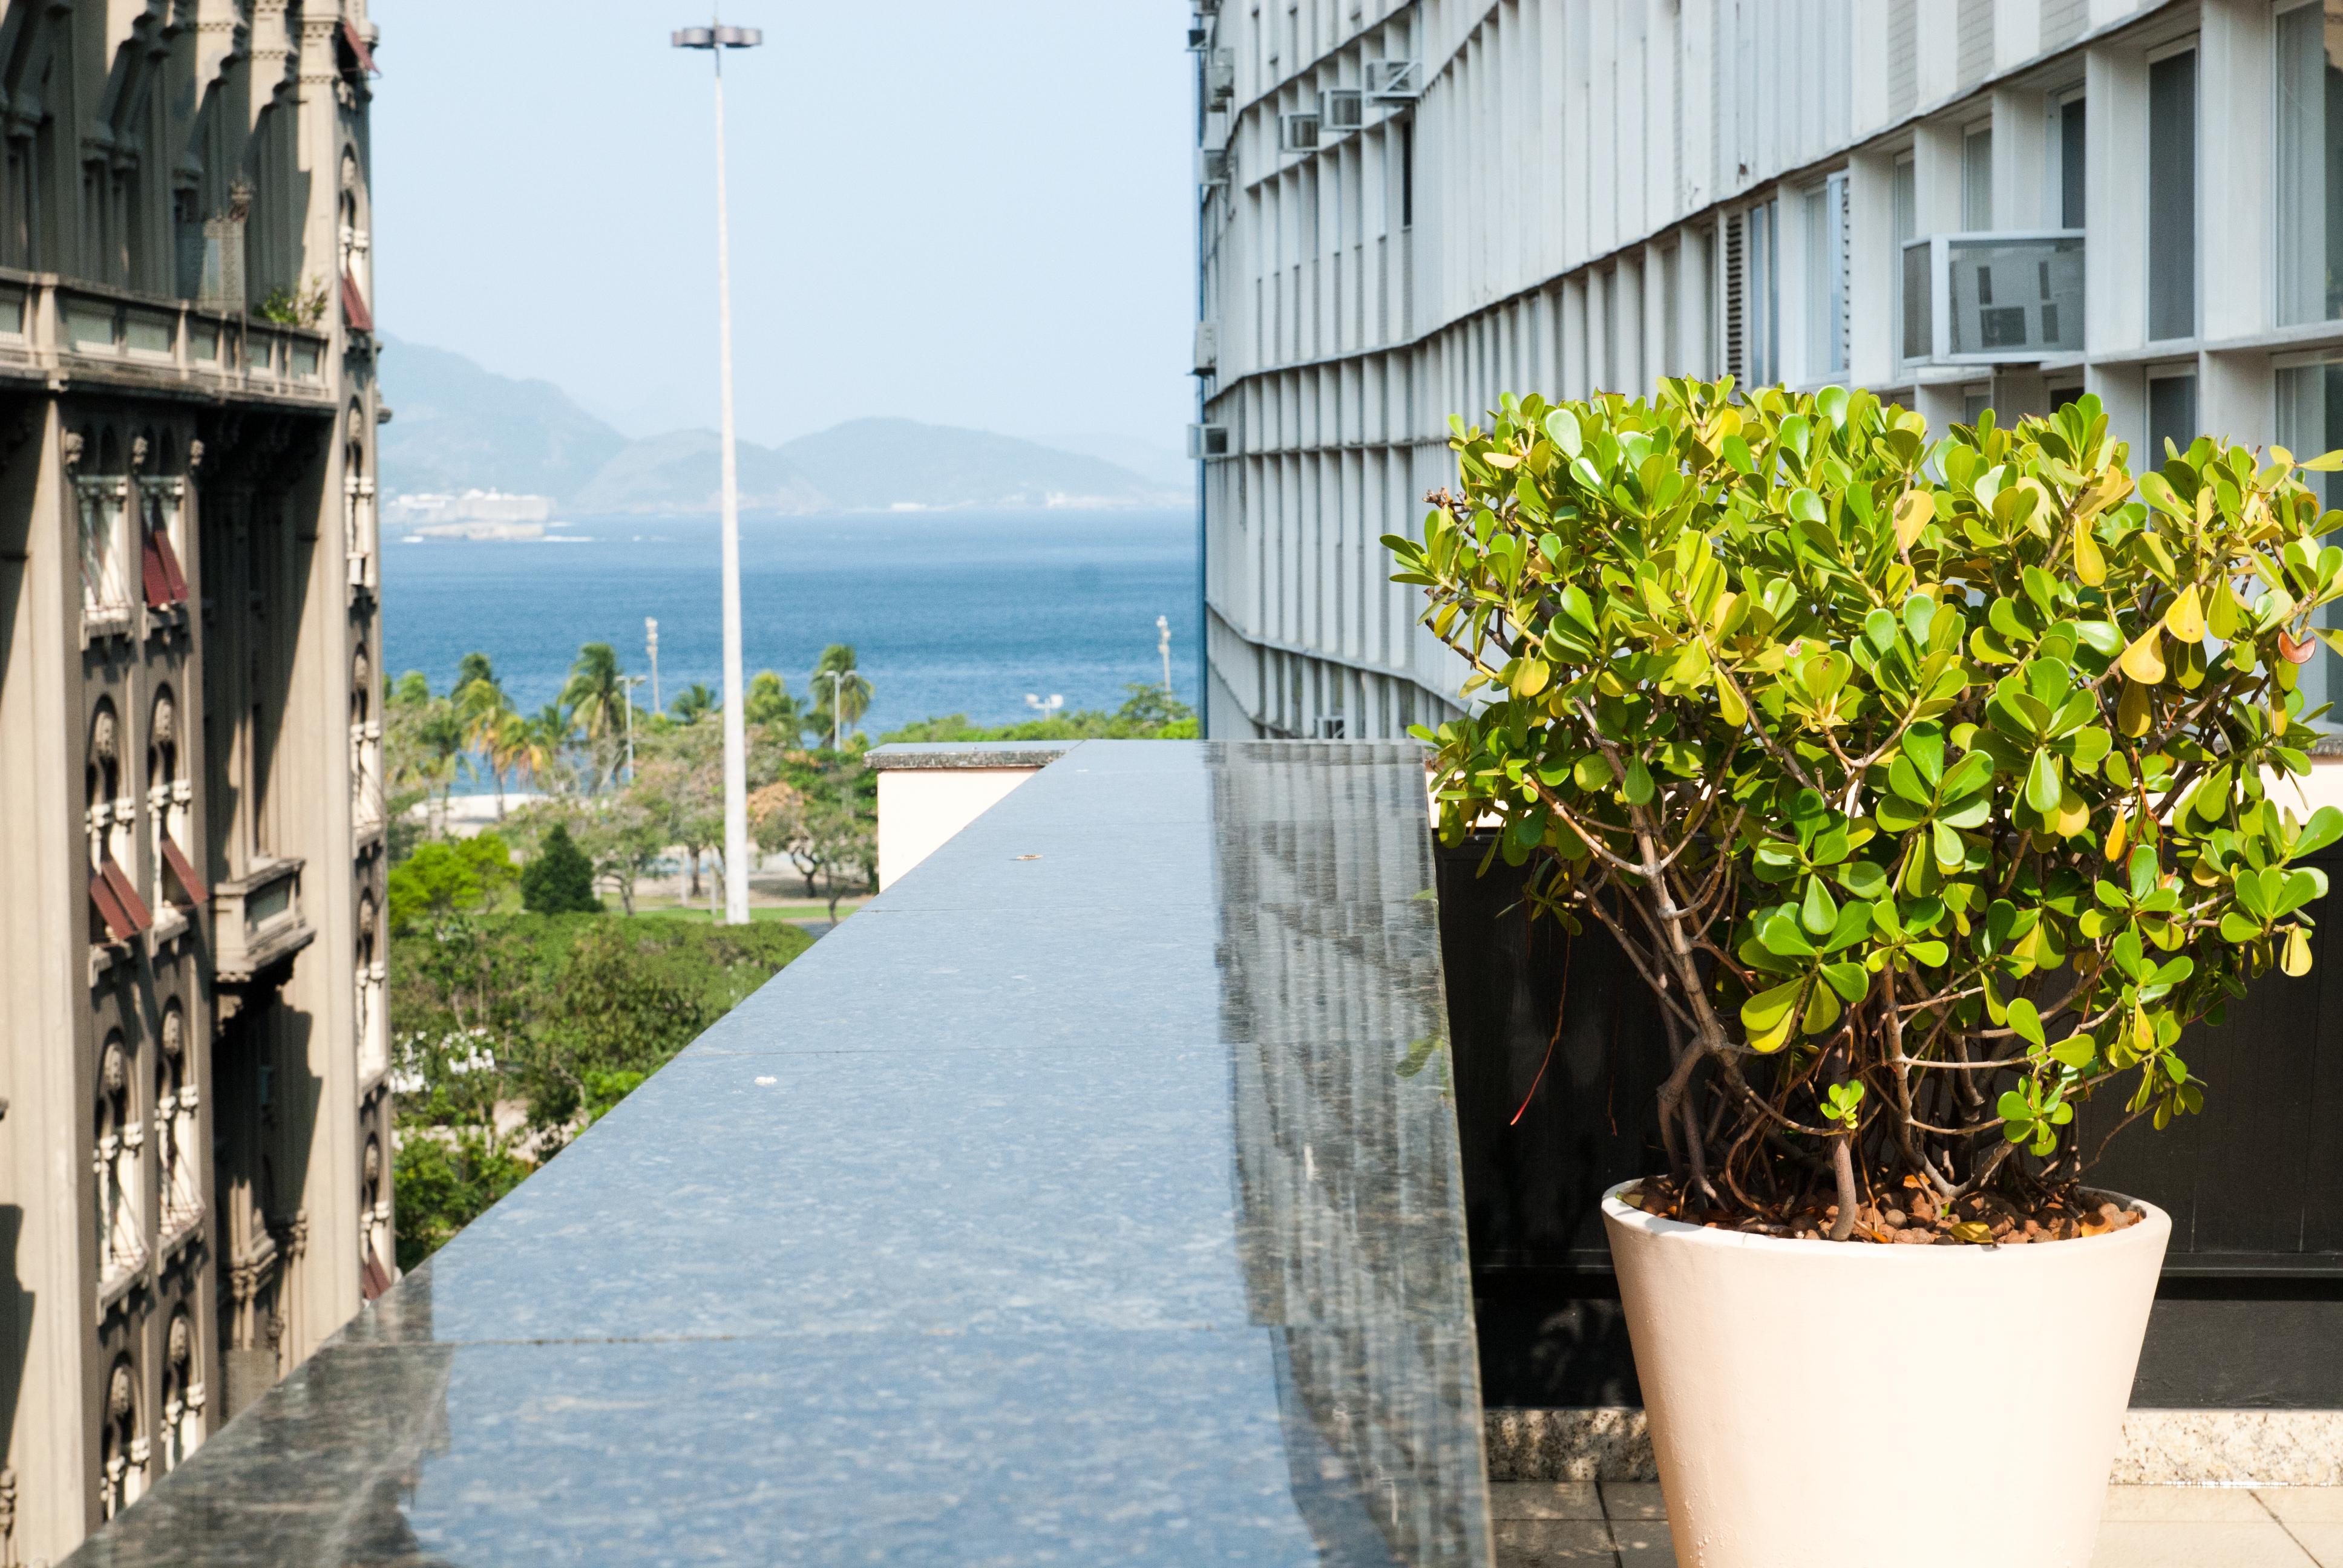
[175,1128]
[2172,196]
[122,1451]
[182,1394]
[2310,422]
[105,581]
[1911,289]
[120,1139]
[1827,258]
[2073,146]
[2171,414]
[1765,326]
[2311,163]
[1976,179]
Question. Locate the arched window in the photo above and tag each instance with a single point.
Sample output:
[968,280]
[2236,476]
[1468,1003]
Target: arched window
[376,1272]
[121,1447]
[110,818]
[366,748]
[360,528]
[373,1058]
[183,1393]
[176,1130]
[118,1142]
[169,794]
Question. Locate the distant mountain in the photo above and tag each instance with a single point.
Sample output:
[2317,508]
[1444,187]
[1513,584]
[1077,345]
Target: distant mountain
[1165,464]
[457,426]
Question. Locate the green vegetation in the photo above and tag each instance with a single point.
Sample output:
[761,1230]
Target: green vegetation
[1149,714]
[559,879]
[515,1031]
[1922,781]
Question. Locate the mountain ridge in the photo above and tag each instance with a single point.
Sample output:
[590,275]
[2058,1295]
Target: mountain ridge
[457,426]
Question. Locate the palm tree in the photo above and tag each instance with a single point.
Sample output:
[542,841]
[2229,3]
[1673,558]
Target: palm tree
[484,710]
[597,698]
[542,741]
[506,740]
[850,693]
[693,703]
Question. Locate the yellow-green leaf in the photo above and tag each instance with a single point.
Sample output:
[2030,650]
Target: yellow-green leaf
[1735,712]
[2185,619]
[1530,678]
[2144,659]
[2296,960]
[2090,566]
[1915,512]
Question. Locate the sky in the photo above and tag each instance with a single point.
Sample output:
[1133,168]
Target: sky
[967,215]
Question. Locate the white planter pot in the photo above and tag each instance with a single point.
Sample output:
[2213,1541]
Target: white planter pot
[1816,1404]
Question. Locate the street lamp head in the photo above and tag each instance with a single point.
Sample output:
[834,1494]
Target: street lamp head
[717,37]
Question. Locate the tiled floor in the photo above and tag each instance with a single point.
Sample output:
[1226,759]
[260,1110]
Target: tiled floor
[1622,1526]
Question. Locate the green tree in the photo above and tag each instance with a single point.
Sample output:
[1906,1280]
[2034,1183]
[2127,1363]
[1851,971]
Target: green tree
[851,691]
[678,784]
[444,879]
[623,1016]
[693,703]
[559,879]
[445,1184]
[769,704]
[597,698]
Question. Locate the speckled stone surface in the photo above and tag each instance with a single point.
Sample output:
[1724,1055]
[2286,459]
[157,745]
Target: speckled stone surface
[1091,1197]
[932,754]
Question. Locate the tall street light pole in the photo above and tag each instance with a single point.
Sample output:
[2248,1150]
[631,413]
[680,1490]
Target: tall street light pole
[716,38]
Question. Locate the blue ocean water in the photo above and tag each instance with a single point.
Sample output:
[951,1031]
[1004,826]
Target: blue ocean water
[948,612]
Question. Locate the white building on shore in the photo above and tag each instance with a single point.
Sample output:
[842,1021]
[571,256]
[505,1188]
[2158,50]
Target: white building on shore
[1410,207]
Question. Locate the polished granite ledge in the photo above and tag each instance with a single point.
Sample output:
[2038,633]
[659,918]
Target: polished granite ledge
[944,755]
[1091,1197]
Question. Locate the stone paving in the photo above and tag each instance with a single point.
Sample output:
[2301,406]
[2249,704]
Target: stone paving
[1618,1525]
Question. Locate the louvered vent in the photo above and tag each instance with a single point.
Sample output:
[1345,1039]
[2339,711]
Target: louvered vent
[1736,351]
[1845,282]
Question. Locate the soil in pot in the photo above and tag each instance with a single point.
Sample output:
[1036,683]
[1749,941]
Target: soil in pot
[1913,1216]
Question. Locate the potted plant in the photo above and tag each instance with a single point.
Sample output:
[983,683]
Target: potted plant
[1932,789]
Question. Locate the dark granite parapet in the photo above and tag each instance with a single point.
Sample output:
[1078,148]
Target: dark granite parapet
[948,754]
[1091,1197]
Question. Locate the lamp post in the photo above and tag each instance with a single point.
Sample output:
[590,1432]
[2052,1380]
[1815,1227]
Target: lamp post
[836,678]
[716,38]
[1045,707]
[1163,624]
[650,643]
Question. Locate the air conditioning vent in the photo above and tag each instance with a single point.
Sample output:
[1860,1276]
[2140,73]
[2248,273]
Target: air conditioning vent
[1330,727]
[1212,165]
[1220,75]
[1208,348]
[1393,80]
[1208,7]
[1340,109]
[1207,440]
[1297,133]
[1198,38]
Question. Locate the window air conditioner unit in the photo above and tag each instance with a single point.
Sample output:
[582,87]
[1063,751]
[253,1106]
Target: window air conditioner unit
[1208,7]
[1330,727]
[1993,297]
[1220,75]
[1198,37]
[1392,80]
[1208,347]
[1342,109]
[1212,165]
[1207,440]
[1298,133]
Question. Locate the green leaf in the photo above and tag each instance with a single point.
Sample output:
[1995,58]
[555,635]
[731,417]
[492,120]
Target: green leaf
[2043,785]
[2026,1021]
[2075,1052]
[1862,878]
[1778,934]
[1639,783]
[2326,826]
[1562,430]
[1821,912]
[1766,1016]
[1850,980]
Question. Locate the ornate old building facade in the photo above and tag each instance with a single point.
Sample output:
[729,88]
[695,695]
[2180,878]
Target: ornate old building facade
[194,1140]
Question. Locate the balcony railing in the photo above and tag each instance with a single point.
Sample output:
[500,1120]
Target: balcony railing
[47,325]
[1992,299]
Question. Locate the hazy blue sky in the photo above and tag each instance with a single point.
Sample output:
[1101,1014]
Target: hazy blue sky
[973,214]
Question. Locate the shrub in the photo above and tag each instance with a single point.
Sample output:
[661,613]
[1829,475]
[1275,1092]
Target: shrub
[1926,807]
[448,878]
[558,880]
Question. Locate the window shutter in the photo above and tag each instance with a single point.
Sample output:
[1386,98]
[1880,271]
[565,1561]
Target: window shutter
[177,858]
[151,578]
[176,580]
[132,907]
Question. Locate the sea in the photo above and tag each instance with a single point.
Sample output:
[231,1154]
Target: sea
[948,611]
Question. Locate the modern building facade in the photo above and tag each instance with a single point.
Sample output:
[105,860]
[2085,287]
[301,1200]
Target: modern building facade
[194,1144]
[1408,207]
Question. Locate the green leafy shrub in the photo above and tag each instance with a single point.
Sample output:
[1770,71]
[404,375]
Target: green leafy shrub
[559,879]
[440,879]
[1932,787]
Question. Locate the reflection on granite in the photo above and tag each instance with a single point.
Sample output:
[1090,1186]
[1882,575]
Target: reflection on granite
[1101,1207]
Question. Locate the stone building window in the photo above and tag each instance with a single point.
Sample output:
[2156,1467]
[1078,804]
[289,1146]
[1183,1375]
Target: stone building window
[360,527]
[104,576]
[162,545]
[365,749]
[169,796]
[177,1129]
[111,818]
[122,1447]
[120,1141]
[376,1270]
[369,973]
[182,1394]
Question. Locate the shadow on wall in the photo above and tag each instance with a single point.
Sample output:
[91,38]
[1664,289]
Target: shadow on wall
[16,1346]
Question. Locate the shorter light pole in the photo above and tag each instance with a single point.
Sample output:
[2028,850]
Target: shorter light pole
[1163,624]
[1045,708]
[651,641]
[632,681]
[836,678]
